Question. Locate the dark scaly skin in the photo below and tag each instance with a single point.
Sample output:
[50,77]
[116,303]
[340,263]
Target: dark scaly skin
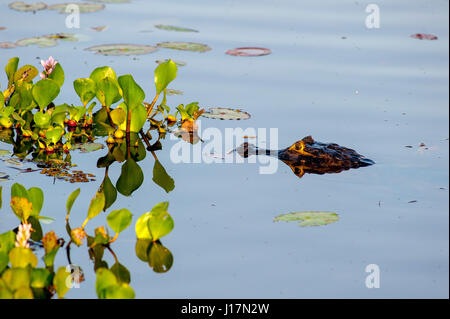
[309,156]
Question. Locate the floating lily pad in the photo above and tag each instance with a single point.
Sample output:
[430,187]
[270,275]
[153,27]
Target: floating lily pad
[49,40]
[226,114]
[122,49]
[422,36]
[185,46]
[111,1]
[26,7]
[8,45]
[249,51]
[173,92]
[83,7]
[178,63]
[2,28]
[100,28]
[174,28]
[309,218]
[88,147]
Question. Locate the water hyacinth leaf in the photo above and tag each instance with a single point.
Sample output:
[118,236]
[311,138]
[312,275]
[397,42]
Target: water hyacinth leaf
[119,219]
[122,49]
[185,46]
[54,135]
[105,279]
[40,278]
[161,178]
[96,205]
[83,7]
[110,192]
[71,199]
[174,28]
[86,89]
[131,178]
[36,234]
[160,259]
[160,223]
[118,116]
[22,257]
[24,7]
[133,94]
[11,69]
[57,75]
[121,272]
[14,278]
[122,291]
[178,63]
[106,72]
[42,119]
[44,92]
[226,114]
[138,117]
[4,260]
[142,247]
[26,74]
[164,74]
[36,197]
[141,227]
[18,190]
[7,241]
[309,218]
[107,91]
[60,282]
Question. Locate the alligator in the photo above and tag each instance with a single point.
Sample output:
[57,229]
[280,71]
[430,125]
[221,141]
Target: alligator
[309,156]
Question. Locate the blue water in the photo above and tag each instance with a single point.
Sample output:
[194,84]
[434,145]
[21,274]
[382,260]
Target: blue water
[377,91]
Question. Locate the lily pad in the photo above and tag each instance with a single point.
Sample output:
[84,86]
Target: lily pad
[173,92]
[8,45]
[49,40]
[174,28]
[83,7]
[178,63]
[88,147]
[111,1]
[100,28]
[249,51]
[309,218]
[185,46]
[27,7]
[226,114]
[122,49]
[422,36]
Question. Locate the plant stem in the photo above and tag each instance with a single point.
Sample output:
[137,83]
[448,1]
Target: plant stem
[150,108]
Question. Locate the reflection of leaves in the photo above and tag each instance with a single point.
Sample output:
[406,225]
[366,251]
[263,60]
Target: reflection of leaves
[119,219]
[161,178]
[60,281]
[131,178]
[110,192]
[154,224]
[309,218]
[159,258]
[22,257]
[96,205]
[121,272]
[36,234]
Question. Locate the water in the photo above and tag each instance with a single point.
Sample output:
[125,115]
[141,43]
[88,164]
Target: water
[377,91]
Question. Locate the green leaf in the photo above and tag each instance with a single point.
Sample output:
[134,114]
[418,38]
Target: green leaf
[36,233]
[123,291]
[121,272]
[131,178]
[11,69]
[160,259]
[160,223]
[1,191]
[7,241]
[42,120]
[40,278]
[119,219]
[14,278]
[71,199]
[17,190]
[44,92]
[118,116]
[96,205]
[2,100]
[133,94]
[142,246]
[57,75]
[4,260]
[54,135]
[62,282]
[138,117]
[86,89]
[107,91]
[164,74]
[106,72]
[105,279]
[26,74]
[21,257]
[110,192]
[309,218]
[141,227]
[36,197]
[161,178]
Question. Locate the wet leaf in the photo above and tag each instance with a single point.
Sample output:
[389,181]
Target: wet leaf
[24,7]
[119,219]
[226,114]
[161,178]
[185,46]
[131,178]
[83,7]
[249,51]
[174,28]
[309,218]
[122,49]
